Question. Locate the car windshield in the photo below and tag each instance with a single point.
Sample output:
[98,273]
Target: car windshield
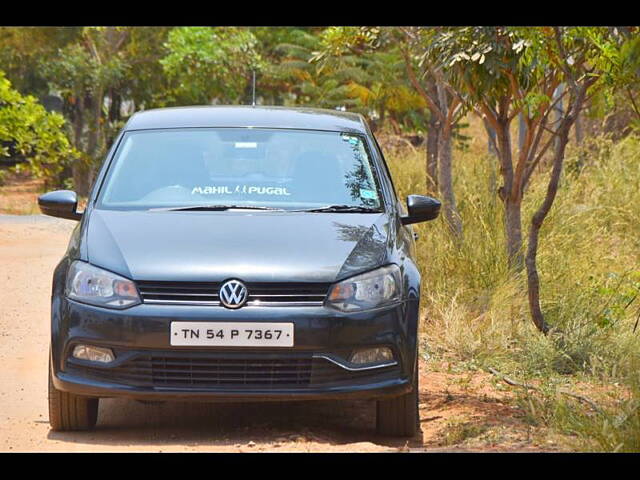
[236,167]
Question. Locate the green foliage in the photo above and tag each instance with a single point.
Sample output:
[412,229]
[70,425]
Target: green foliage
[475,60]
[370,63]
[211,63]
[32,133]
[24,49]
[619,51]
[76,72]
[517,65]
[275,82]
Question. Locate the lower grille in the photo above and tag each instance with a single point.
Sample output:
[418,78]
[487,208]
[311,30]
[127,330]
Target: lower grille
[206,372]
[179,370]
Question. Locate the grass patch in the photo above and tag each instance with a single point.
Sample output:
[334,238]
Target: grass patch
[475,311]
[458,431]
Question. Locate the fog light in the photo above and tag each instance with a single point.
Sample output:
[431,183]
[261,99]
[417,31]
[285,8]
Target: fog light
[94,354]
[372,355]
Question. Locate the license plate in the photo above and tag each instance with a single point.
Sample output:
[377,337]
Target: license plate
[231,334]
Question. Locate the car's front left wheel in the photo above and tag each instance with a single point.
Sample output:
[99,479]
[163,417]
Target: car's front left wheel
[70,412]
[399,416]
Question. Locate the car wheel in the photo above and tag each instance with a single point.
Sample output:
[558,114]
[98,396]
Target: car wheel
[70,412]
[399,416]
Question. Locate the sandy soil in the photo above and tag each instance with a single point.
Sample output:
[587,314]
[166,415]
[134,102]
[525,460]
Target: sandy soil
[459,411]
[19,194]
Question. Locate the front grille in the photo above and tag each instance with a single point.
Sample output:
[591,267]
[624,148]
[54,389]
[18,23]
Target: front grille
[190,370]
[206,293]
[179,292]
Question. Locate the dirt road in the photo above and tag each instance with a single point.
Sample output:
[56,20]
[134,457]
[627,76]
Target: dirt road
[459,411]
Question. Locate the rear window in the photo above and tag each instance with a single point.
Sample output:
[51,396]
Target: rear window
[240,166]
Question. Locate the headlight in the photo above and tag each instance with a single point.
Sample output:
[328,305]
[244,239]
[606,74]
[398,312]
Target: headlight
[370,290]
[89,284]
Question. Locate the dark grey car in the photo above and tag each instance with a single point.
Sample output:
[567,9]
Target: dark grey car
[238,253]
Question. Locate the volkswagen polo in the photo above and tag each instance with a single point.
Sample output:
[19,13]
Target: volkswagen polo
[238,254]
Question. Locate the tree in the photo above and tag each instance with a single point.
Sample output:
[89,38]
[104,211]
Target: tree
[618,103]
[371,67]
[83,72]
[27,129]
[211,64]
[401,45]
[23,49]
[446,109]
[104,69]
[501,73]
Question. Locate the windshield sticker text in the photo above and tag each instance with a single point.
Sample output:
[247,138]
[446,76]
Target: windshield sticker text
[240,189]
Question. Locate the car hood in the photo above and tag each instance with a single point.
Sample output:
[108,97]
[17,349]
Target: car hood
[251,246]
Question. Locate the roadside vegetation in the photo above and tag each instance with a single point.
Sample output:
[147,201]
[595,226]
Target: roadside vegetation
[529,136]
[476,315]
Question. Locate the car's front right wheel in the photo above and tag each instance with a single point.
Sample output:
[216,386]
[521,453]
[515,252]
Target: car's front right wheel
[398,416]
[70,412]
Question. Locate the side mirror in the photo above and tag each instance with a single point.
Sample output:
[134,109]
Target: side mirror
[61,203]
[421,209]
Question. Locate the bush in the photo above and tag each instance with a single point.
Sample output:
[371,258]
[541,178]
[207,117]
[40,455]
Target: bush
[34,134]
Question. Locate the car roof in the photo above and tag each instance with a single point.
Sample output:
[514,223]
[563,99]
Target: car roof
[247,116]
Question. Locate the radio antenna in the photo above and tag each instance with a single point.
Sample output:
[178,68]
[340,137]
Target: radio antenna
[253,104]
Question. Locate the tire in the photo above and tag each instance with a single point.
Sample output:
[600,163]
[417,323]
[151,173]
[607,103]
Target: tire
[399,416]
[69,412]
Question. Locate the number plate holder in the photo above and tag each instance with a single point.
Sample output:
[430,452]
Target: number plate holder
[231,334]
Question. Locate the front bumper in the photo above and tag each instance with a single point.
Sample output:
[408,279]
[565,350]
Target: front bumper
[148,367]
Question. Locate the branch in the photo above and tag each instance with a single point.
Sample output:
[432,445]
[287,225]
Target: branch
[454,107]
[516,92]
[532,164]
[492,140]
[633,101]
[523,156]
[423,93]
[541,128]
[490,114]
[564,64]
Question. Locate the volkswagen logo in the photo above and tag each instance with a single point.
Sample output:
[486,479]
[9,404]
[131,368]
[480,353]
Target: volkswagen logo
[233,294]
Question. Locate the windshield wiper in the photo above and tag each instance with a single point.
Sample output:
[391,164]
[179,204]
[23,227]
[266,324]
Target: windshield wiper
[213,208]
[341,209]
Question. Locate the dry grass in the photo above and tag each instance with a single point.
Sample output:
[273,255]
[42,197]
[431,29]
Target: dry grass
[475,310]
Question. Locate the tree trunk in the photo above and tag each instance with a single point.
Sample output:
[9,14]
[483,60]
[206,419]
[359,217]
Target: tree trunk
[95,140]
[562,138]
[513,230]
[522,131]
[533,280]
[579,138]
[433,138]
[511,199]
[578,130]
[558,111]
[491,139]
[79,167]
[445,182]
[433,134]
